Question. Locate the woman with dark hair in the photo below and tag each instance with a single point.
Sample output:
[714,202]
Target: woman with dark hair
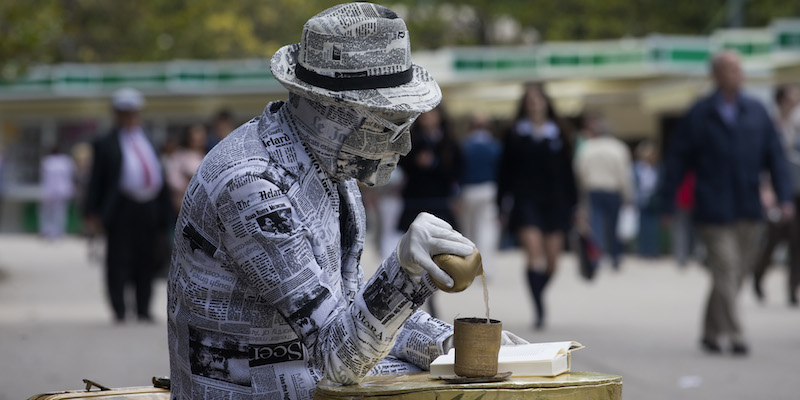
[536,188]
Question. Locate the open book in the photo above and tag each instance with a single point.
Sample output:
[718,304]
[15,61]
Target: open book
[533,359]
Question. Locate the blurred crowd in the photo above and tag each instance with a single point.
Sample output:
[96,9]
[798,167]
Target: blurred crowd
[547,184]
[129,192]
[540,182]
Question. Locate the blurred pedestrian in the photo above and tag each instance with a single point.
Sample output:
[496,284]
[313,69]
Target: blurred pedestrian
[604,171]
[129,203]
[645,172]
[683,236]
[387,202]
[81,154]
[221,126]
[2,178]
[536,177]
[787,99]
[478,214]
[727,139]
[181,165]
[431,169]
[57,179]
[82,157]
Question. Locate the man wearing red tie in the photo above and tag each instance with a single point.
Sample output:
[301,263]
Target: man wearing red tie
[129,203]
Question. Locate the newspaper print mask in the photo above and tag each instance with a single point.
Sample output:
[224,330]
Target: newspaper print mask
[353,143]
[372,152]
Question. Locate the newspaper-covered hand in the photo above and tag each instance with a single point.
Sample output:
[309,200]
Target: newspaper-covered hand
[507,338]
[426,237]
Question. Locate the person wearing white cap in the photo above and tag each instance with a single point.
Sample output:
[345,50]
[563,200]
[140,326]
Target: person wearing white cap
[128,202]
[265,293]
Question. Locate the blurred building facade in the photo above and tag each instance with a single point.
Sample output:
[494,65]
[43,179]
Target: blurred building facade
[642,86]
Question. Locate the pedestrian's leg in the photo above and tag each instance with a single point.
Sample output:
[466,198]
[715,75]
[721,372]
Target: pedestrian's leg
[794,256]
[648,234]
[721,317]
[486,228]
[615,246]
[597,221]
[145,242]
[117,259]
[60,209]
[764,257]
[794,268]
[46,213]
[537,280]
[681,237]
[531,240]
[552,244]
[143,280]
[747,234]
[466,216]
[711,323]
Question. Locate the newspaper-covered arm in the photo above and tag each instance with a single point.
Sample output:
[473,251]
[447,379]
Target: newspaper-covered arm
[344,340]
[422,339]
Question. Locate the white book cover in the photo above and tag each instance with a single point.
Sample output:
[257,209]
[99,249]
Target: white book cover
[533,359]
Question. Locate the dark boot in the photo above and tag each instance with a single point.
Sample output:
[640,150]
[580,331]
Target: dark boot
[537,282]
[757,288]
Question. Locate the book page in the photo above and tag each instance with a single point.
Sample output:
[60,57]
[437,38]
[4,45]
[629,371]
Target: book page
[537,351]
[544,359]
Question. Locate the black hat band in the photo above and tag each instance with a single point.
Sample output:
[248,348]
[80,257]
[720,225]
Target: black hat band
[354,80]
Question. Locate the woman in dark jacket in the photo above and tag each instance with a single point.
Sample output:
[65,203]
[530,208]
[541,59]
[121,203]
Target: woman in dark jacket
[536,178]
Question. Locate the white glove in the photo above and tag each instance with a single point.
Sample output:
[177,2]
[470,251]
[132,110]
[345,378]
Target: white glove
[508,338]
[426,237]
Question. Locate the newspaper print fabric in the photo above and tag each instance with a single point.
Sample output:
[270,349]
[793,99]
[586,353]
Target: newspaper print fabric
[348,145]
[357,39]
[265,294]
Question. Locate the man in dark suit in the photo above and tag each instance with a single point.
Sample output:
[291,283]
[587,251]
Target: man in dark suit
[129,203]
[728,139]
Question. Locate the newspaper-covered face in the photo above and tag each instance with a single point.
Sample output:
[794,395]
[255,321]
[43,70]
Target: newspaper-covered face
[351,143]
[372,151]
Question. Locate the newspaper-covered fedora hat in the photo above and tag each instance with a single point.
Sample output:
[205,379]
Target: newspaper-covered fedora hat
[356,55]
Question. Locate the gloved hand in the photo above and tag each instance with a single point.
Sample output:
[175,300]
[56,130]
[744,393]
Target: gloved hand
[508,338]
[426,237]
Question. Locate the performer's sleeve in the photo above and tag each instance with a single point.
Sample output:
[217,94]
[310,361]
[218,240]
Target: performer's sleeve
[344,340]
[422,339]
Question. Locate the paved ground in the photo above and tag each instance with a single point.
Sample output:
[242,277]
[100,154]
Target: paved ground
[641,323]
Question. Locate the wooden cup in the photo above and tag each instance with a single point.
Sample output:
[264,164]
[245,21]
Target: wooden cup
[477,345]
